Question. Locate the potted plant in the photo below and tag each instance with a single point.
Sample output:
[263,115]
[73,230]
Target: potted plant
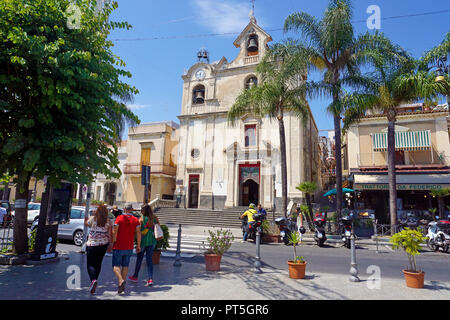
[219,242]
[271,232]
[409,240]
[161,245]
[297,267]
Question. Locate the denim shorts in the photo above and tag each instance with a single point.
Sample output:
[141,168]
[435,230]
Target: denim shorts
[121,258]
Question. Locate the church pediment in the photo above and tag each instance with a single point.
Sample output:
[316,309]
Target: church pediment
[190,74]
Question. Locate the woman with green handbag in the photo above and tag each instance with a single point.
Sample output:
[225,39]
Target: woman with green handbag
[148,244]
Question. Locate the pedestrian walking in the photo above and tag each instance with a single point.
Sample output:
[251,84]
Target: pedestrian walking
[116,212]
[148,244]
[126,228]
[99,241]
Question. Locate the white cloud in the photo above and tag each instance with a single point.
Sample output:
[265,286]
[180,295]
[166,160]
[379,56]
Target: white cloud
[137,106]
[223,16]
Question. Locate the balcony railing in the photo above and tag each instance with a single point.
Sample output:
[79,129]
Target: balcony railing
[251,59]
[135,168]
[411,160]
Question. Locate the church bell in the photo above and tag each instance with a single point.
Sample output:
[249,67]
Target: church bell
[199,95]
[252,45]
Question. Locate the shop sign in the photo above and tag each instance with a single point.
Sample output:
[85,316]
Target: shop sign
[369,186]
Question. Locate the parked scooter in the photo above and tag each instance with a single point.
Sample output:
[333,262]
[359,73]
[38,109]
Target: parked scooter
[286,226]
[346,230]
[410,221]
[439,235]
[319,223]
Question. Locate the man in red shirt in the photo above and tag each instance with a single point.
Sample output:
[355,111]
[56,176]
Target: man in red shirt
[126,227]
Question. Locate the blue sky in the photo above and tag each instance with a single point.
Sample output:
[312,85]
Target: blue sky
[171,32]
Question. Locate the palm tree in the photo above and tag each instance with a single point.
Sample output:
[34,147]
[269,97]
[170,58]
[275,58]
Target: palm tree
[329,45]
[277,92]
[389,86]
[308,188]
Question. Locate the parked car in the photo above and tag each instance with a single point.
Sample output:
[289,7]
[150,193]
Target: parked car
[33,212]
[8,217]
[75,228]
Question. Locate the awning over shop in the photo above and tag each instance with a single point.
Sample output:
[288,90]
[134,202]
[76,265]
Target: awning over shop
[404,140]
[426,182]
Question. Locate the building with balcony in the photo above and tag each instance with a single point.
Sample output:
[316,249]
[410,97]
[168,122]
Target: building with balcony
[155,145]
[111,191]
[422,157]
[223,166]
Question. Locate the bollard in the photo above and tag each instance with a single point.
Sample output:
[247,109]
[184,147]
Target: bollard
[375,222]
[258,256]
[177,262]
[354,266]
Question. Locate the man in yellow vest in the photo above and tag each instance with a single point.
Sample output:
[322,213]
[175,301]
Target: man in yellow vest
[249,214]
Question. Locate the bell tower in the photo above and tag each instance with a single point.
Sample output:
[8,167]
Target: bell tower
[252,42]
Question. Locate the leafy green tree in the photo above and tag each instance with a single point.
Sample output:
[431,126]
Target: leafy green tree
[276,94]
[330,46]
[61,95]
[5,179]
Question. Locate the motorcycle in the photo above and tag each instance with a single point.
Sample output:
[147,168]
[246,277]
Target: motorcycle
[346,227]
[286,226]
[319,235]
[254,227]
[439,235]
[410,221]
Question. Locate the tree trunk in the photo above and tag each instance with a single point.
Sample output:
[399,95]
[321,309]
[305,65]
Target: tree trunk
[391,175]
[441,208]
[337,138]
[310,218]
[20,238]
[283,166]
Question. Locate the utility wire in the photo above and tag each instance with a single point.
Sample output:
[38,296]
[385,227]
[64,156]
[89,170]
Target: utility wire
[271,30]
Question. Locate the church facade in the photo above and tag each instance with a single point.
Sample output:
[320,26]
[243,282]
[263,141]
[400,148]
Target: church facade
[222,165]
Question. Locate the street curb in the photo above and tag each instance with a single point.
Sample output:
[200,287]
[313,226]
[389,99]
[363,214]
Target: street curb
[42,262]
[12,259]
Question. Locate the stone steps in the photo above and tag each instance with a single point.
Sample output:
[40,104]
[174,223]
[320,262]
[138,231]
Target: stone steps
[201,217]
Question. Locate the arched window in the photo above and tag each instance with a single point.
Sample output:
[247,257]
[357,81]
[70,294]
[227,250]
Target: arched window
[198,95]
[251,82]
[252,45]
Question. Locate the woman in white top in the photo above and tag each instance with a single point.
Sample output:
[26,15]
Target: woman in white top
[99,239]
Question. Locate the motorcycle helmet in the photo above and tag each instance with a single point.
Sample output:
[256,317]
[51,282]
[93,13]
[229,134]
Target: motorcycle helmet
[252,206]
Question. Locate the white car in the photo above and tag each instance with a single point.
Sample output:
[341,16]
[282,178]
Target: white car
[75,228]
[33,212]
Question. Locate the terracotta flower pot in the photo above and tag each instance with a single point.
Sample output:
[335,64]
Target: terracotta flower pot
[297,270]
[156,256]
[414,279]
[212,261]
[270,238]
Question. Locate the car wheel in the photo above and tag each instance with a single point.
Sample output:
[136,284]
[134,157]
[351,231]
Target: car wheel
[78,238]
